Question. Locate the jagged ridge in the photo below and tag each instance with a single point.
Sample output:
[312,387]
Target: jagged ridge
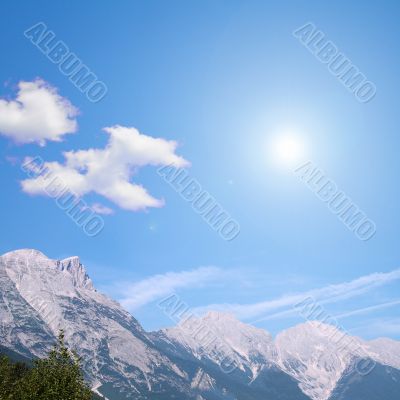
[39,296]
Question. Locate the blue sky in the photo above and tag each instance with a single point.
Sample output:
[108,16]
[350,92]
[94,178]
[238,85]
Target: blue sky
[223,80]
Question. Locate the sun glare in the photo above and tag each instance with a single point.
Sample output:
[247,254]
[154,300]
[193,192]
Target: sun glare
[287,149]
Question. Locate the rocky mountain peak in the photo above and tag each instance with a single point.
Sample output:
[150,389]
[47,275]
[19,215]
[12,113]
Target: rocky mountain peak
[31,262]
[25,254]
[73,266]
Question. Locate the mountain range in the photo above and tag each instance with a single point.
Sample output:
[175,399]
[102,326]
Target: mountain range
[210,357]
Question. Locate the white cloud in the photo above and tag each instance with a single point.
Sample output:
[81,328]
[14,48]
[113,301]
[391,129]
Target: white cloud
[37,114]
[108,171]
[284,305]
[367,310]
[101,209]
[138,294]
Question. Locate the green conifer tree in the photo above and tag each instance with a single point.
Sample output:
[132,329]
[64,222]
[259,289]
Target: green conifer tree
[57,377]
[10,375]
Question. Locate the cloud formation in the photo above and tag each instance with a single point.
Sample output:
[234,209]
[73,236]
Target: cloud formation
[138,294]
[108,171]
[101,209]
[284,306]
[367,310]
[38,114]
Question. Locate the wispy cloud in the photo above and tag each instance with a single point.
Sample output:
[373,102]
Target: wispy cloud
[367,310]
[379,327]
[137,294]
[283,306]
[101,209]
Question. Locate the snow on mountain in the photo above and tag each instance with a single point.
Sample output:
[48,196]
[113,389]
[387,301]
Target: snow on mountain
[221,338]
[307,352]
[312,354]
[229,354]
[386,351]
[316,355]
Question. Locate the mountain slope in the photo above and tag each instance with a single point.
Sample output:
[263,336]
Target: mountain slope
[318,357]
[310,353]
[237,358]
[213,357]
[21,327]
[41,296]
[382,383]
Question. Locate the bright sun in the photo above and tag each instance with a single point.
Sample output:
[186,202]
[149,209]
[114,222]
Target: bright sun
[288,149]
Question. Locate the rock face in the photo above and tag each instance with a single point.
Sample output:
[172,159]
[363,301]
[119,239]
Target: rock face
[206,358]
[322,360]
[41,296]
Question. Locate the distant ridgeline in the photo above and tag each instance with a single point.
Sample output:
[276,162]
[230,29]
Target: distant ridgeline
[210,357]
